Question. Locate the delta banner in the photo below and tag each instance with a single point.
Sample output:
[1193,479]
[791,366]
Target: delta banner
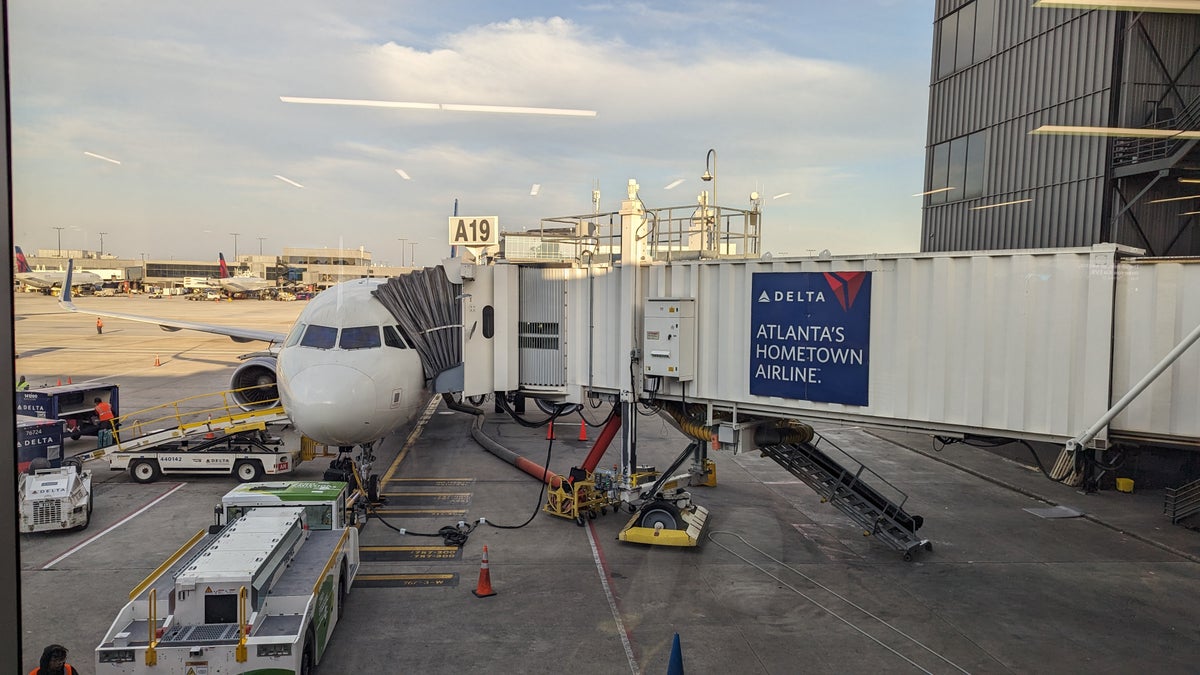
[810,336]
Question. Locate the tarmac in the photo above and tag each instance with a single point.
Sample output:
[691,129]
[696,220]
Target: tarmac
[779,583]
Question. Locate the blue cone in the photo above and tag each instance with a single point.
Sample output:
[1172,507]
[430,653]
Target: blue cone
[675,665]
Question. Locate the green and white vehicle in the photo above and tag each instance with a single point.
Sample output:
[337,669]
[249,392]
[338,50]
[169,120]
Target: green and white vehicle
[259,593]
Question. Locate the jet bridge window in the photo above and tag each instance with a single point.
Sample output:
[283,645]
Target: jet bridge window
[320,337]
[360,337]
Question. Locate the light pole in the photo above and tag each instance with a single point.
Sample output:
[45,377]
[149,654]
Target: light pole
[235,236]
[716,205]
[402,240]
[412,253]
[60,229]
[260,241]
[102,243]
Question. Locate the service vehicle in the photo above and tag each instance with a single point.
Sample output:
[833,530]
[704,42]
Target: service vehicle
[259,594]
[248,454]
[74,404]
[53,498]
[39,437]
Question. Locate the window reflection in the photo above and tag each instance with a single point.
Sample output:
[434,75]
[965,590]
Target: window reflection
[360,337]
[319,337]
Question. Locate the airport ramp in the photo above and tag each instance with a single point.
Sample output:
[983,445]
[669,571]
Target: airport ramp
[846,488]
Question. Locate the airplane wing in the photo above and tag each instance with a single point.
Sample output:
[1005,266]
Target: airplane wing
[235,334]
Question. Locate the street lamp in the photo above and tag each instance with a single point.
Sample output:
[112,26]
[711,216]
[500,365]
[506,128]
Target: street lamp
[235,236]
[60,229]
[260,241]
[711,176]
[412,254]
[402,240]
[102,243]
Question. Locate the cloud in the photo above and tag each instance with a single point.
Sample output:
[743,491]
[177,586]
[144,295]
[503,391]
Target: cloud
[187,98]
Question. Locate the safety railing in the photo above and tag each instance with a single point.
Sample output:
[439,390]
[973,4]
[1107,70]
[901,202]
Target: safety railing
[671,233]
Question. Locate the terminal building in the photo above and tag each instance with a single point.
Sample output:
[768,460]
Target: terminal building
[1001,70]
[311,268]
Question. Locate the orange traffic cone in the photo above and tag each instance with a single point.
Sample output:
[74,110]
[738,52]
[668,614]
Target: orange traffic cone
[59,382]
[550,431]
[484,588]
[69,380]
[157,363]
[582,430]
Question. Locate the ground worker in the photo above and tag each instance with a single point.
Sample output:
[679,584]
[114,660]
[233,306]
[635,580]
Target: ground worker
[99,326]
[104,413]
[54,662]
[22,385]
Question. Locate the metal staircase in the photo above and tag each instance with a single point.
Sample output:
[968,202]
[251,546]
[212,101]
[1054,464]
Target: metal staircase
[201,415]
[1164,152]
[1182,501]
[846,490]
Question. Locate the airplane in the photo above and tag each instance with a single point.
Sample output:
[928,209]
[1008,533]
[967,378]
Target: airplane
[47,280]
[346,373]
[240,283]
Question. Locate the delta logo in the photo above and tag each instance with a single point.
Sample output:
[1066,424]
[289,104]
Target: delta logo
[844,286]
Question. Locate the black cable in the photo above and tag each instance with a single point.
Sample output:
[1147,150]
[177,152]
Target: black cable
[537,507]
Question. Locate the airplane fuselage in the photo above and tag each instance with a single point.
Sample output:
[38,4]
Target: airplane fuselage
[345,374]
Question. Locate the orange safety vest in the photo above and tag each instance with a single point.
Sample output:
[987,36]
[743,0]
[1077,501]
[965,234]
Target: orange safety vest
[104,410]
[68,669]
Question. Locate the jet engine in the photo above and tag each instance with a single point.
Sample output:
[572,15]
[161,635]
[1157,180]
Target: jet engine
[254,383]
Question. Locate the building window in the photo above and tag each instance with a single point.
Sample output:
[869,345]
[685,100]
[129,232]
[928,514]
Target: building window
[965,37]
[958,164]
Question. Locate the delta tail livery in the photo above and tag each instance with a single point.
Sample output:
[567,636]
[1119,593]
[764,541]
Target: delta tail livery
[48,280]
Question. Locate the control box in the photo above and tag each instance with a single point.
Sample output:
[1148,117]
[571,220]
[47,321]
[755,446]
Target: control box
[669,338]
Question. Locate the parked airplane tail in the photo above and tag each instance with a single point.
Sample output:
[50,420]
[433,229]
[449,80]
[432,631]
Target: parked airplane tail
[224,274]
[22,265]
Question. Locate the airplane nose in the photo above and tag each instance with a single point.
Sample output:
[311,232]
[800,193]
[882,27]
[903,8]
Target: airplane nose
[332,404]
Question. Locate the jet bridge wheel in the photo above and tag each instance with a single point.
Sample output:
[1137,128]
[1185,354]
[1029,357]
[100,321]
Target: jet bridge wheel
[660,513]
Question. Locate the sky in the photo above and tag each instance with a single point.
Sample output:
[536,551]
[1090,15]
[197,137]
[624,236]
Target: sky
[825,101]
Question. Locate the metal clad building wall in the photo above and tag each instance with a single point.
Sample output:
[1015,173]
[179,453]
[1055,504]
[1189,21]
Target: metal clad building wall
[542,337]
[1158,303]
[1048,67]
[1014,343]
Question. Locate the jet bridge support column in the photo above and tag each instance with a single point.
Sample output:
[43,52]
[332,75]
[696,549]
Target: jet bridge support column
[634,231]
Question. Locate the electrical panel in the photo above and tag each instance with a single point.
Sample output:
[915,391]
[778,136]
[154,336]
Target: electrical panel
[669,338]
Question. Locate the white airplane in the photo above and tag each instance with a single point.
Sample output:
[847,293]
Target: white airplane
[345,374]
[48,280]
[240,283]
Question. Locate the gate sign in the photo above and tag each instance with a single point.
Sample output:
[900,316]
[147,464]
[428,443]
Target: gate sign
[474,230]
[810,336]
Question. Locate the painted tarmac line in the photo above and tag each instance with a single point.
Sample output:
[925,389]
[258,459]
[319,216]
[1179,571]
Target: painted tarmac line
[112,527]
[605,583]
[410,441]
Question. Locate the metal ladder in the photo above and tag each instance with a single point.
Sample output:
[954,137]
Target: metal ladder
[846,490]
[1182,501]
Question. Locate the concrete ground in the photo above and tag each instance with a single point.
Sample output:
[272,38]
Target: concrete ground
[780,583]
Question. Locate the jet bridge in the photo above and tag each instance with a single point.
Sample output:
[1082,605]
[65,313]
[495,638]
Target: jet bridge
[678,309]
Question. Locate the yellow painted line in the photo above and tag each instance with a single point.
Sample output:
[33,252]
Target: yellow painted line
[137,590]
[417,511]
[425,494]
[412,438]
[408,548]
[398,577]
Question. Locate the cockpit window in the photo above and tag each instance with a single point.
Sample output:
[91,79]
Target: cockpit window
[294,336]
[391,338]
[360,337]
[320,337]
